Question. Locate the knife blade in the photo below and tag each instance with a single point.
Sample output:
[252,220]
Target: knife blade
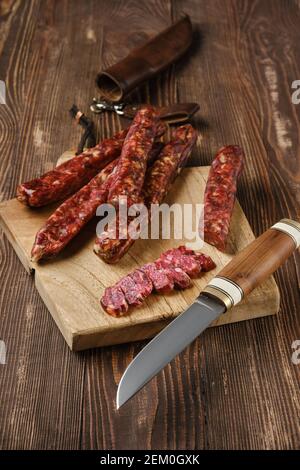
[239,277]
[167,344]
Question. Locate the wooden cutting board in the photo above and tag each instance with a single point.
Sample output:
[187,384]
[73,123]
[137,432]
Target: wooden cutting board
[72,284]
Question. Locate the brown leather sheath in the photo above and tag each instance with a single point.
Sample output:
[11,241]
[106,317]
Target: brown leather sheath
[146,61]
[179,112]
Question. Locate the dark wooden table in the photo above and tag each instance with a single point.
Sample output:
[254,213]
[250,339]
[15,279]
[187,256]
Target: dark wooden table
[236,387]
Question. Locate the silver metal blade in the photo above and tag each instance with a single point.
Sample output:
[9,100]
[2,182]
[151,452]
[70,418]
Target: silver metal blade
[166,345]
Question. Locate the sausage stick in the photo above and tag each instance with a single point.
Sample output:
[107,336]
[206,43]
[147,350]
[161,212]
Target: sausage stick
[73,214]
[220,194]
[159,179]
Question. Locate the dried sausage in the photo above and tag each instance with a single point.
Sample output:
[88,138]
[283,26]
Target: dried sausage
[73,214]
[180,278]
[161,176]
[187,260]
[143,282]
[166,273]
[133,160]
[131,290]
[59,183]
[113,301]
[205,261]
[220,194]
[158,181]
[188,263]
[65,179]
[158,276]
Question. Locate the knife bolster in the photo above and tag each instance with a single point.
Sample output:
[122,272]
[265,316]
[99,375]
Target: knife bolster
[225,290]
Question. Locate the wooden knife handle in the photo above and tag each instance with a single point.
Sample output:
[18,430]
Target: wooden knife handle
[255,263]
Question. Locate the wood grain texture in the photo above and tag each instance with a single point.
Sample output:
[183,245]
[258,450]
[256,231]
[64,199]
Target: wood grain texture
[235,387]
[72,284]
[259,259]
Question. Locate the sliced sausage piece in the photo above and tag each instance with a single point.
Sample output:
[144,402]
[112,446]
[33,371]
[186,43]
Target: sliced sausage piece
[207,264]
[169,271]
[131,291]
[113,301]
[220,194]
[178,257]
[158,276]
[183,250]
[185,262]
[180,278]
[143,282]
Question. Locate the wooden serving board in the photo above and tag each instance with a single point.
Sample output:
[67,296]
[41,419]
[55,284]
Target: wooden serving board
[72,284]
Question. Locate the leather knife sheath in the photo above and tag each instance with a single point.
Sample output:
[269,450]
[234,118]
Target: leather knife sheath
[144,62]
[175,113]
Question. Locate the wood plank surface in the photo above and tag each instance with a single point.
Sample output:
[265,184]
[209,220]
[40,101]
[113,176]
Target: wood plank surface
[236,386]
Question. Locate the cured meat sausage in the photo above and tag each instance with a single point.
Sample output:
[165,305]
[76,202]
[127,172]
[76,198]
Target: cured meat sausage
[187,260]
[220,194]
[161,176]
[154,152]
[166,273]
[68,177]
[158,180]
[179,278]
[143,282]
[113,301]
[133,160]
[158,276]
[205,261]
[188,263]
[131,291]
[69,218]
